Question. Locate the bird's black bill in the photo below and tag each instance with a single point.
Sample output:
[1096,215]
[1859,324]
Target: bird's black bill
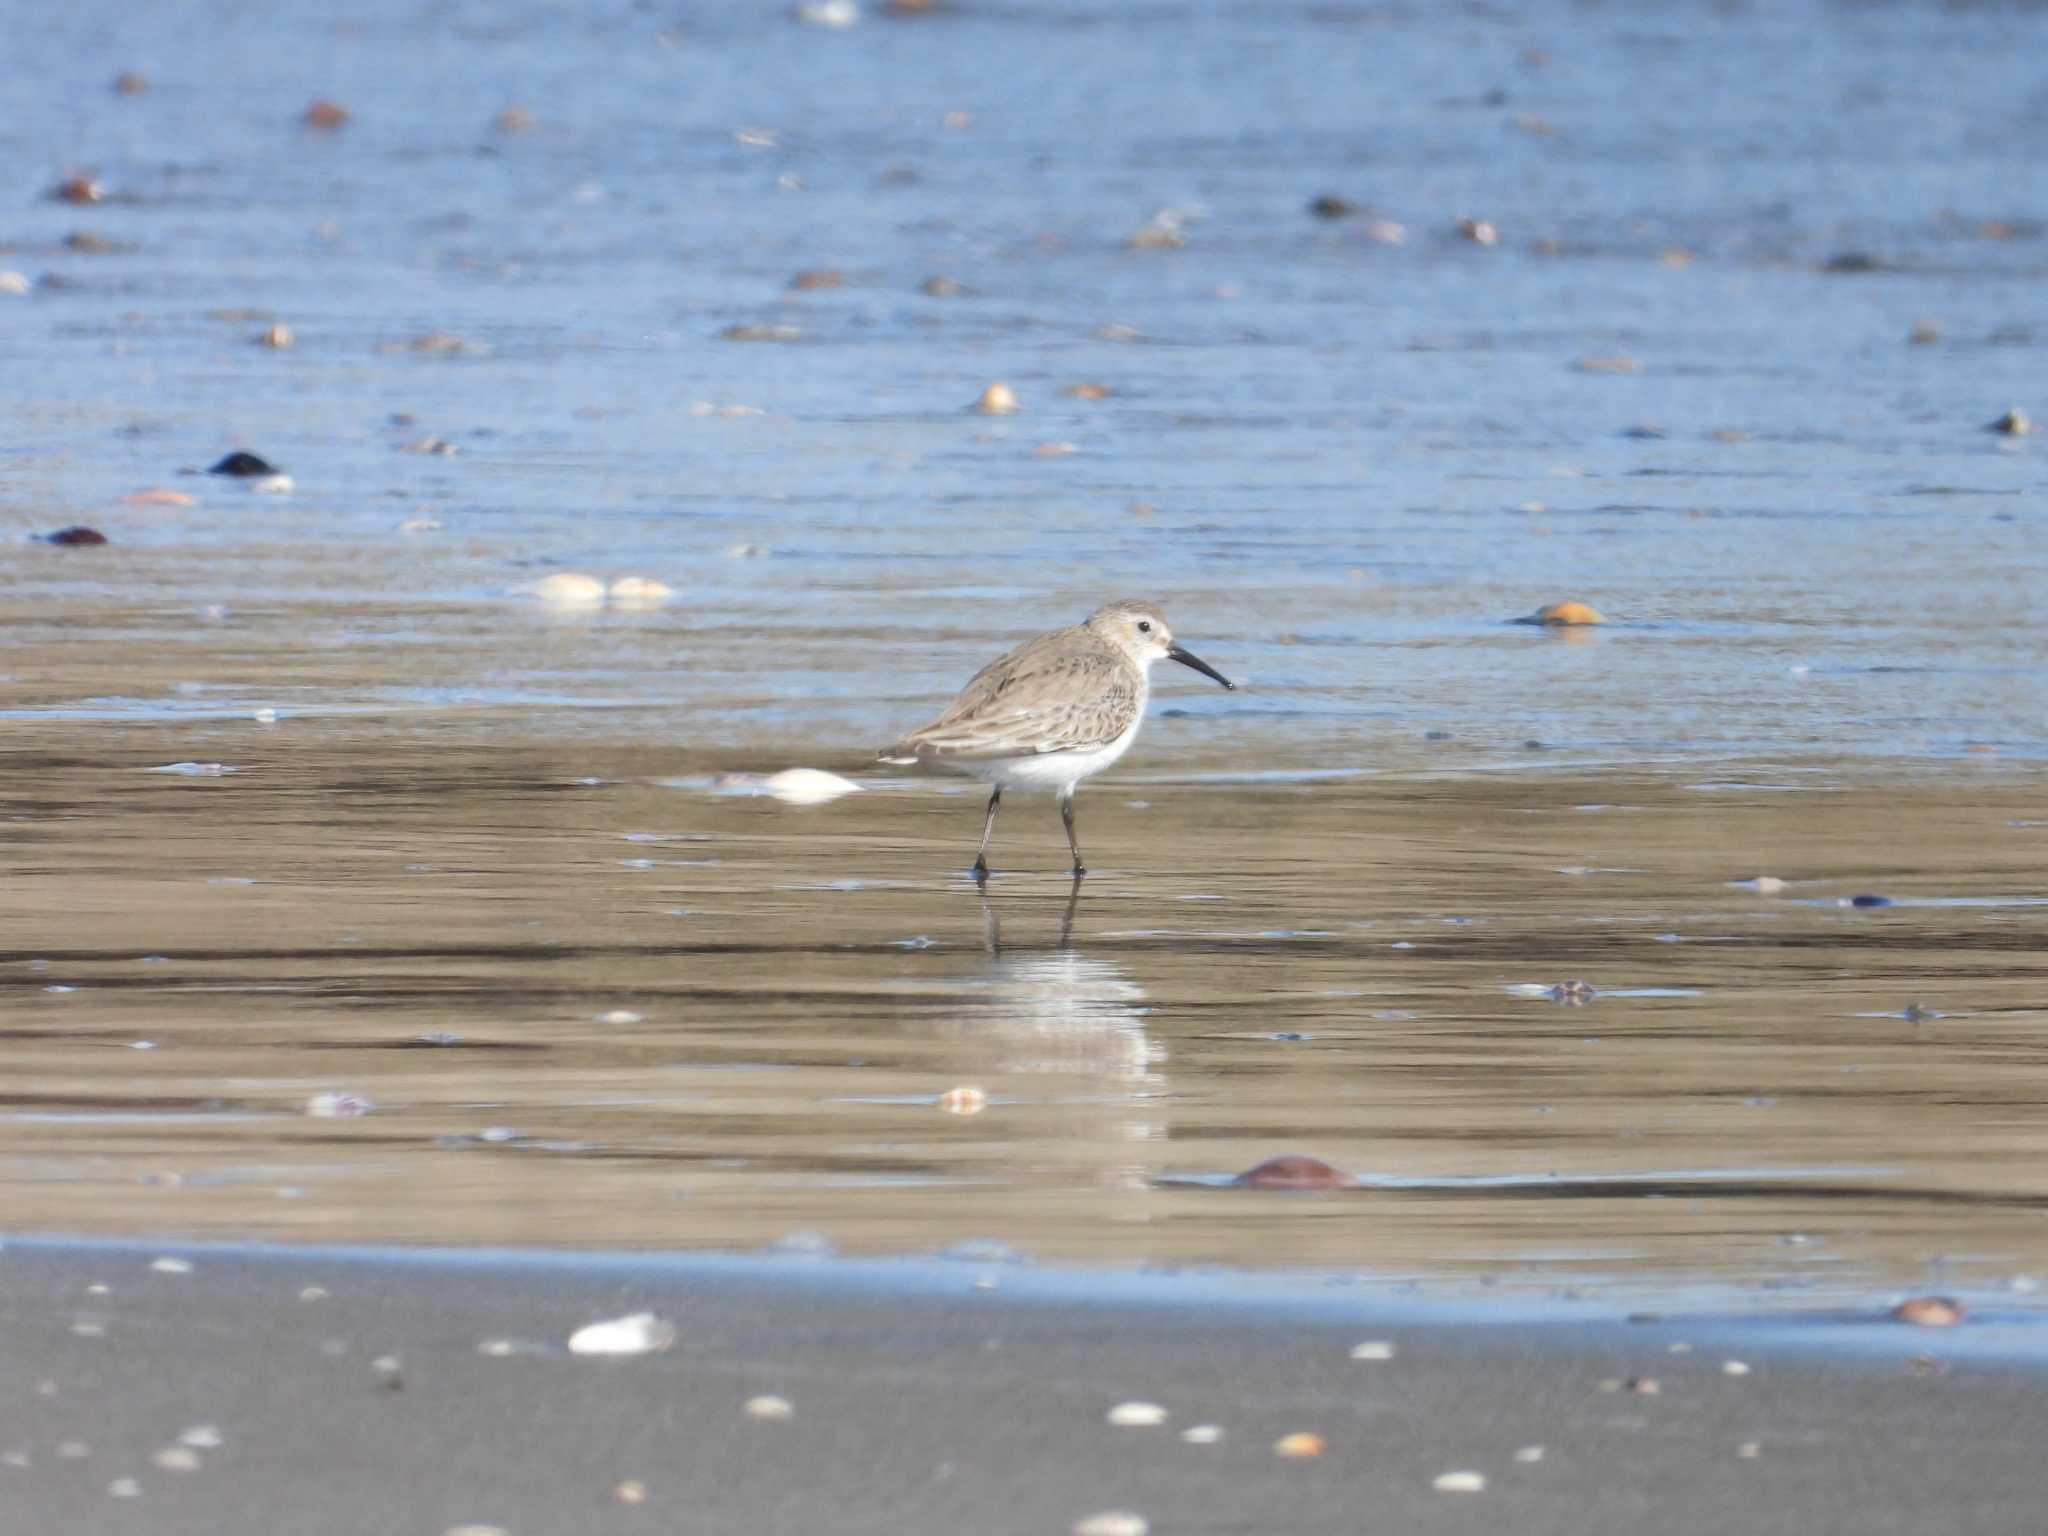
[1190,659]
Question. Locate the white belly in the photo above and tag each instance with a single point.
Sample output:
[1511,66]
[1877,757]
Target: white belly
[1049,770]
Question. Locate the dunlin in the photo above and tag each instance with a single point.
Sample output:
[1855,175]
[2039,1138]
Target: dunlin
[1053,711]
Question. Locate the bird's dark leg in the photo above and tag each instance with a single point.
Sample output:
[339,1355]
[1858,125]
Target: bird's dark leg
[1067,816]
[988,828]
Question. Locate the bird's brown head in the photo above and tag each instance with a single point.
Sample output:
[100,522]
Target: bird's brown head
[1138,629]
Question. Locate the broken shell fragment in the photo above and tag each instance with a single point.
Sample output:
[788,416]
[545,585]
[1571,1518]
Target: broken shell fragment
[1292,1170]
[1930,1311]
[1112,1522]
[1568,612]
[997,400]
[1136,1415]
[567,589]
[807,786]
[640,592]
[637,1333]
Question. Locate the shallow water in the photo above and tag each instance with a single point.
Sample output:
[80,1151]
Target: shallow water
[1329,906]
[591,1009]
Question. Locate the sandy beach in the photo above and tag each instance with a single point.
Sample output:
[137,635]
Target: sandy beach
[337,1391]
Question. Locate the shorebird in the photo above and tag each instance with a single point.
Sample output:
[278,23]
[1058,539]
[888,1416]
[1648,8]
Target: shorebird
[1053,711]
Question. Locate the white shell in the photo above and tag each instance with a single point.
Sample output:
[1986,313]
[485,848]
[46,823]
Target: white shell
[808,786]
[567,589]
[637,1333]
[640,592]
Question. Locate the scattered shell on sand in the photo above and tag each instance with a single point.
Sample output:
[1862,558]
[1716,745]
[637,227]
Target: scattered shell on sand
[14,282]
[1088,391]
[1112,1522]
[1734,1367]
[1763,885]
[617,1016]
[242,465]
[1925,333]
[639,592]
[630,1491]
[831,14]
[807,786]
[442,344]
[964,1100]
[325,115]
[567,589]
[812,279]
[1478,231]
[279,336]
[996,400]
[2014,423]
[1202,1434]
[201,1437]
[1460,1482]
[1137,1415]
[78,189]
[1749,1450]
[512,118]
[1292,1170]
[171,1266]
[1569,612]
[776,332]
[1372,1349]
[130,83]
[125,1488]
[157,496]
[1300,1446]
[1164,231]
[766,1407]
[1930,1311]
[337,1106]
[177,1458]
[1529,1453]
[940,286]
[637,1333]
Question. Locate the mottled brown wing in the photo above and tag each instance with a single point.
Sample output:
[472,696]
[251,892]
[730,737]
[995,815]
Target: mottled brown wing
[1058,693]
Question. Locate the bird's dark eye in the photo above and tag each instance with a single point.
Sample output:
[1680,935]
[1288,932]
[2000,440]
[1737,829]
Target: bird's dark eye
[1144,626]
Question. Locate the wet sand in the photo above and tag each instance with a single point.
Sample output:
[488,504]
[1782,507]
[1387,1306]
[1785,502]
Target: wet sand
[587,999]
[432,1392]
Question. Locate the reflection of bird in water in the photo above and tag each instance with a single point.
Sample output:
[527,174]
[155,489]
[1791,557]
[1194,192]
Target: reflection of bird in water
[1068,1029]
